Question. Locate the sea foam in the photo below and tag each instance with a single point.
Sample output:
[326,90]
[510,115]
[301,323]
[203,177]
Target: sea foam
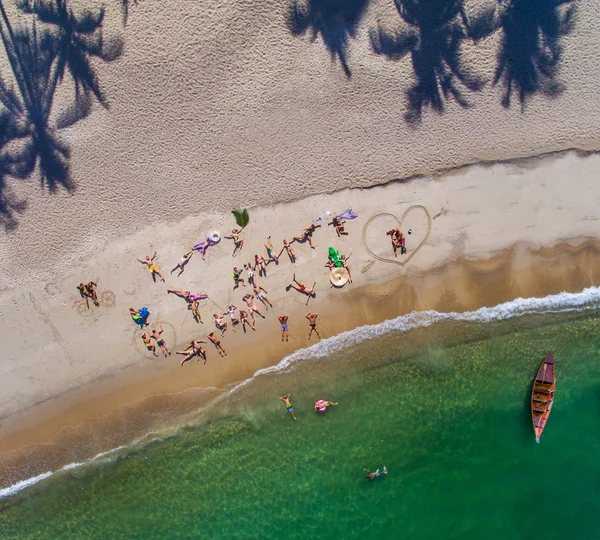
[586,300]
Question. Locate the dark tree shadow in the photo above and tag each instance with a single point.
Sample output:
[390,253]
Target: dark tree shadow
[40,53]
[530,52]
[335,20]
[433,41]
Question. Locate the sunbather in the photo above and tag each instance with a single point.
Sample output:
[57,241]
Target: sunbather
[238,240]
[271,251]
[215,341]
[149,262]
[193,349]
[290,251]
[260,294]
[245,321]
[300,287]
[312,320]
[181,264]
[157,335]
[251,307]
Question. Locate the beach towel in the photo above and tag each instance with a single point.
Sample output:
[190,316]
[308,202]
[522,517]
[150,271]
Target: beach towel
[348,214]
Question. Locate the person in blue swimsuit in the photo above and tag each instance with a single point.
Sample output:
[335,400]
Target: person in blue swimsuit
[288,404]
[283,319]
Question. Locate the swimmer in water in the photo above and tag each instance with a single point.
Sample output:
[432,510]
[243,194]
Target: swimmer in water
[323,404]
[377,473]
[288,404]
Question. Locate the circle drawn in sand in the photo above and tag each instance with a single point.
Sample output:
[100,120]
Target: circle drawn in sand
[52,289]
[83,309]
[169,335]
[108,299]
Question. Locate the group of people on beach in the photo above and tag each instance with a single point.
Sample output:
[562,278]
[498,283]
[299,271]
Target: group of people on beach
[237,316]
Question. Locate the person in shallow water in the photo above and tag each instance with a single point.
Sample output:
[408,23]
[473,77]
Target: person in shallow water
[378,472]
[288,404]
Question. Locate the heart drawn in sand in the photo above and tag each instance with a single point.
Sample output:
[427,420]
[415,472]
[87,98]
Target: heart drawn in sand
[416,207]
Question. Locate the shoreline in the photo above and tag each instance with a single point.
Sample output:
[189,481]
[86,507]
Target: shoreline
[142,394]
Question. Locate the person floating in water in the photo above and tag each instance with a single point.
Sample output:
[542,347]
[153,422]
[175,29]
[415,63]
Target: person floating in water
[377,473]
[288,404]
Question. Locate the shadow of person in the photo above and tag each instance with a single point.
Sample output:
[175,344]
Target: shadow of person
[335,20]
[437,30]
[530,50]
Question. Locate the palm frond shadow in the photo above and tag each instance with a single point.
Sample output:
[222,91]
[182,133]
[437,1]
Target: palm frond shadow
[530,51]
[336,21]
[40,54]
[433,40]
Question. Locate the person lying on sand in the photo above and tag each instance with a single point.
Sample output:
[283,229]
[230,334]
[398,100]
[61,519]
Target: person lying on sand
[139,317]
[90,288]
[288,404]
[84,294]
[259,262]
[250,273]
[201,247]
[231,312]
[339,223]
[251,307]
[306,235]
[238,240]
[187,295]
[195,309]
[260,291]
[290,251]
[343,259]
[378,472]
[220,323]
[237,279]
[283,320]
[193,349]
[245,321]
[160,341]
[270,251]
[312,321]
[149,262]
[149,345]
[181,264]
[300,287]
[215,341]
[398,240]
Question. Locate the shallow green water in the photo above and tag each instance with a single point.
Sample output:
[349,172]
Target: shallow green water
[451,425]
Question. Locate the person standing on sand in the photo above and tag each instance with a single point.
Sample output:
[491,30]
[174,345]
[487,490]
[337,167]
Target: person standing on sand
[300,287]
[251,307]
[312,320]
[238,241]
[193,349]
[149,345]
[283,320]
[260,294]
[245,321]
[215,341]
[160,341]
[181,264]
[288,404]
[149,262]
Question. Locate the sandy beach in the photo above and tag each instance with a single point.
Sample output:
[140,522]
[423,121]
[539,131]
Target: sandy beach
[229,109]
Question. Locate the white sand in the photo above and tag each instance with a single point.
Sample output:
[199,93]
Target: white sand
[49,346]
[218,105]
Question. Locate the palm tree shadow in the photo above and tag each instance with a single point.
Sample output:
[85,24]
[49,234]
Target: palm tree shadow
[437,30]
[530,51]
[335,20]
[39,54]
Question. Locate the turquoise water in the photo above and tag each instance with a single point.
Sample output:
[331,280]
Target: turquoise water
[450,422]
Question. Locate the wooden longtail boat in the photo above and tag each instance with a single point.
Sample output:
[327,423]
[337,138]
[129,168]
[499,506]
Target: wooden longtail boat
[542,395]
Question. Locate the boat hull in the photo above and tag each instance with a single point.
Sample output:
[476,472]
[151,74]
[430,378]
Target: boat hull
[542,395]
